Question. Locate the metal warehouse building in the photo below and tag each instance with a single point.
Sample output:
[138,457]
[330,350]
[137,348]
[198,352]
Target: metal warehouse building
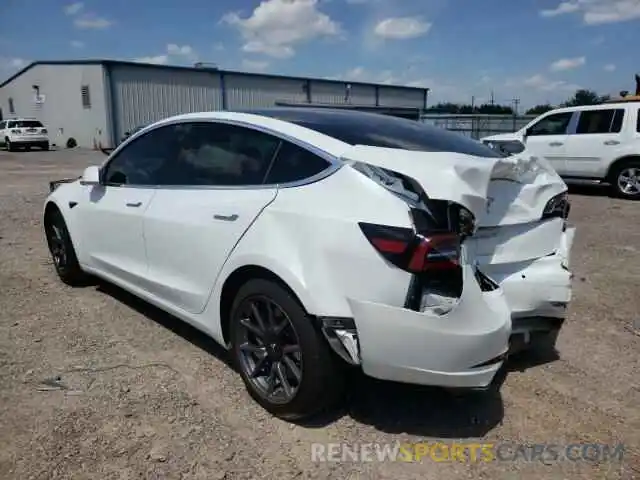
[97,101]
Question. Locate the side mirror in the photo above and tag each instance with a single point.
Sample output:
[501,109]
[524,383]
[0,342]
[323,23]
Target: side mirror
[91,176]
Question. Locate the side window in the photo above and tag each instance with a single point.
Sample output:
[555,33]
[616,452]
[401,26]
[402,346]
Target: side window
[145,161]
[2,125]
[600,121]
[219,154]
[638,122]
[10,124]
[294,163]
[554,124]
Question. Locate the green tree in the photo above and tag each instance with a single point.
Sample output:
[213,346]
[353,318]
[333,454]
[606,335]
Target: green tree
[585,97]
[540,109]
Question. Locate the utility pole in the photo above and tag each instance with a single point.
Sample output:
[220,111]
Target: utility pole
[473,102]
[492,99]
[516,102]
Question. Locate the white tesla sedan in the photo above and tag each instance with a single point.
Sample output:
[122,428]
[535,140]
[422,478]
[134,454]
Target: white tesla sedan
[306,239]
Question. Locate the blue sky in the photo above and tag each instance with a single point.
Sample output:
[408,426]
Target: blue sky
[537,50]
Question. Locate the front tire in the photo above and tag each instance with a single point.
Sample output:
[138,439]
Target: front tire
[284,361]
[10,147]
[626,180]
[62,252]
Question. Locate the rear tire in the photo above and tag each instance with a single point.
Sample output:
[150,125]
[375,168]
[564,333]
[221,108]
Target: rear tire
[290,347]
[45,146]
[62,252]
[623,178]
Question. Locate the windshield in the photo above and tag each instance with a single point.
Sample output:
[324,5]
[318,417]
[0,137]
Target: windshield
[27,124]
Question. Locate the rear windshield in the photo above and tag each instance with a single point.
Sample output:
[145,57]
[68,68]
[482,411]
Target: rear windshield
[26,124]
[376,130]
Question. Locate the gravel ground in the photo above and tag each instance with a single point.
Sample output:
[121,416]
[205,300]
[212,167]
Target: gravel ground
[145,396]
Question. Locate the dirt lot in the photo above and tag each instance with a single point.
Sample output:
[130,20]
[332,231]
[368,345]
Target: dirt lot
[144,396]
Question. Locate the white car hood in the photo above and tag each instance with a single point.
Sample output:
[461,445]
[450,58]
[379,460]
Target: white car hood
[498,191]
[502,137]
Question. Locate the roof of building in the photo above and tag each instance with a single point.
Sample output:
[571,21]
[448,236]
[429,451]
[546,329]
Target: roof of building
[185,68]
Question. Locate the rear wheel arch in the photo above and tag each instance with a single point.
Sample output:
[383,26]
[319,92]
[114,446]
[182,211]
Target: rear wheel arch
[234,283]
[615,166]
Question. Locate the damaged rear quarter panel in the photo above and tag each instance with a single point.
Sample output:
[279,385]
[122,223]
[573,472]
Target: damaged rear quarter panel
[310,237]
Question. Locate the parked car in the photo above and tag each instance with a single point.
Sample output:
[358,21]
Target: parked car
[23,133]
[307,240]
[595,144]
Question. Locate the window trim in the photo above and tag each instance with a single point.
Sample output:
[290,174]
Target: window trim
[334,163]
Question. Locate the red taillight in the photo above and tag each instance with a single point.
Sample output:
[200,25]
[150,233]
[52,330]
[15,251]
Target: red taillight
[414,252]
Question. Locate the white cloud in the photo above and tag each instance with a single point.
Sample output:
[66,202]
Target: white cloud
[562,8]
[12,63]
[173,51]
[401,28]
[73,8]
[76,44]
[91,21]
[185,51]
[597,12]
[540,82]
[158,59]
[276,27]
[567,64]
[255,65]
[610,67]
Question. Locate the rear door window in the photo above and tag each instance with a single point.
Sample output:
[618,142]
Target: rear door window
[600,121]
[219,154]
[28,124]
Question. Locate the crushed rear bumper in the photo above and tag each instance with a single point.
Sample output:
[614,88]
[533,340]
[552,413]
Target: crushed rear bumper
[464,347]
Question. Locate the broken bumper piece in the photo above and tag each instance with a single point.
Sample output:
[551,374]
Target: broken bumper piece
[464,347]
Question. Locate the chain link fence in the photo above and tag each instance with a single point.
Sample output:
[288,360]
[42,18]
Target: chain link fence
[478,125]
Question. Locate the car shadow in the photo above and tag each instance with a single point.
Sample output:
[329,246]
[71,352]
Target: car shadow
[387,406]
[168,321]
[590,190]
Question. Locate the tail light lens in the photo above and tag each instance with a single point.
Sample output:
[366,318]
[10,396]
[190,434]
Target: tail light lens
[44,130]
[559,206]
[414,252]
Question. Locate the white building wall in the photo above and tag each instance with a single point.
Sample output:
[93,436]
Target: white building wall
[61,109]
[336,93]
[401,97]
[248,91]
[143,95]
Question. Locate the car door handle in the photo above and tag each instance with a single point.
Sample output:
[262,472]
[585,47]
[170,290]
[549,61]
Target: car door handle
[226,218]
[134,205]
[556,144]
[612,142]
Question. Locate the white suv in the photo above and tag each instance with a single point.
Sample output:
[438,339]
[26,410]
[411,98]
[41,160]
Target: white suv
[596,144]
[23,133]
